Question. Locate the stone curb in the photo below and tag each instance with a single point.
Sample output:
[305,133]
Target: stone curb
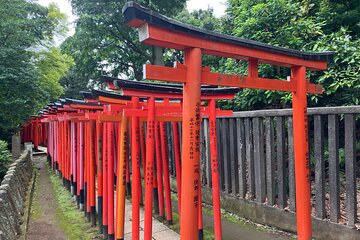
[28,203]
[13,196]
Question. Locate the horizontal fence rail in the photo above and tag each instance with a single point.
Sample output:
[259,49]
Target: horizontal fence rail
[256,159]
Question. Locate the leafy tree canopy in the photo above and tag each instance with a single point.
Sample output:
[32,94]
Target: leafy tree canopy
[302,25]
[104,44]
[27,64]
[52,65]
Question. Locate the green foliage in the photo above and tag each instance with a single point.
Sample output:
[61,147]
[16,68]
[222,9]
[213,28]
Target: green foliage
[25,28]
[5,158]
[276,22]
[72,84]
[69,218]
[104,44]
[204,19]
[20,94]
[326,158]
[201,18]
[52,65]
[342,78]
[301,25]
[58,19]
[338,14]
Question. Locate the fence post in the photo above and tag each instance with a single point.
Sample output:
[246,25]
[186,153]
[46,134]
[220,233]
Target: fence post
[259,161]
[350,158]
[270,161]
[280,159]
[319,167]
[250,156]
[241,156]
[334,167]
[292,188]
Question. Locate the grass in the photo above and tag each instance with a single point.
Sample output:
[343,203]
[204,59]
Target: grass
[35,205]
[208,232]
[230,217]
[233,218]
[70,219]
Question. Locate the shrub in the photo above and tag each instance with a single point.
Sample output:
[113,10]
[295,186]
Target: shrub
[5,158]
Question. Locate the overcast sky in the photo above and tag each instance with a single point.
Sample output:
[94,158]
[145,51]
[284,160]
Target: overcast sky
[217,5]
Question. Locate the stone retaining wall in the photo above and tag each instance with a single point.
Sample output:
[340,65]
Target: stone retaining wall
[13,190]
[275,217]
[281,219]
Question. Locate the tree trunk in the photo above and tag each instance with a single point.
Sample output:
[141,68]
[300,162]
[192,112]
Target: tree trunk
[158,58]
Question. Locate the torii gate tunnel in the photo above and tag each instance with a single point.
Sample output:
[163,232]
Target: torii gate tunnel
[82,147]
[157,30]
[88,140]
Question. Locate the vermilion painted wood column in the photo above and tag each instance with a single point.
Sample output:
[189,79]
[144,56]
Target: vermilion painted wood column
[155,185]
[105,180]
[86,169]
[177,161]
[121,179]
[159,170]
[44,134]
[36,135]
[302,177]
[75,166]
[143,147]
[60,148]
[99,154]
[92,172]
[135,163]
[215,171]
[165,166]
[71,150]
[191,146]
[68,155]
[78,146]
[149,169]
[72,157]
[110,180]
[81,165]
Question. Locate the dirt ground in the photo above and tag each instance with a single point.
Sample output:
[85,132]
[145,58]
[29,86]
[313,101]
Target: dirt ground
[42,224]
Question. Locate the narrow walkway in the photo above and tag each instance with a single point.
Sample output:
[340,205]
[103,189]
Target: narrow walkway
[42,225]
[160,230]
[235,229]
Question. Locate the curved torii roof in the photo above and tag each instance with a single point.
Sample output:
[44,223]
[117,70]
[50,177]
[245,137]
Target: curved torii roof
[160,90]
[157,29]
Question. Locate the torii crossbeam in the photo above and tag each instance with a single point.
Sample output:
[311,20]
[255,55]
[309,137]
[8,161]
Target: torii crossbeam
[164,112]
[155,29]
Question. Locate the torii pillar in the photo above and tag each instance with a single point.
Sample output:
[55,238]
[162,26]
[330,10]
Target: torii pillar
[190,181]
[155,29]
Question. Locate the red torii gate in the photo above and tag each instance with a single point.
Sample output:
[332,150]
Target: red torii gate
[155,29]
[166,92]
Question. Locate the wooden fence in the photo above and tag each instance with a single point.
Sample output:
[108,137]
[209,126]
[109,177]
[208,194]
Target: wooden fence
[256,155]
